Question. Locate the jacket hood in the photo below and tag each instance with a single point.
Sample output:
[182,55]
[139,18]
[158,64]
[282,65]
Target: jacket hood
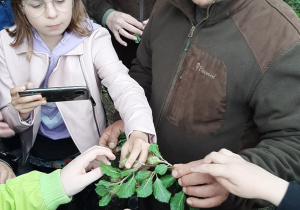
[222,8]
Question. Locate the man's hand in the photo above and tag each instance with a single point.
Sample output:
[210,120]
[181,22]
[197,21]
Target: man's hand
[5,173]
[111,134]
[5,131]
[204,189]
[83,170]
[120,23]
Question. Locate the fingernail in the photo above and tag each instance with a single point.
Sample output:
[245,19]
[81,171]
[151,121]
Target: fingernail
[125,44]
[174,174]
[179,182]
[189,202]
[184,189]
[141,33]
[134,38]
[128,165]
[111,145]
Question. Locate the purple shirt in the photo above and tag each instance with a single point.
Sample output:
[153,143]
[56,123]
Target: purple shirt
[52,124]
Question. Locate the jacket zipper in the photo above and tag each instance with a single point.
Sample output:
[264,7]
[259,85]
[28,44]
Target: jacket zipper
[186,49]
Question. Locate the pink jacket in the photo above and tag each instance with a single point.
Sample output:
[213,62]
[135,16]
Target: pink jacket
[95,57]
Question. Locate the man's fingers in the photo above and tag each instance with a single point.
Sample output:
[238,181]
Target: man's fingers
[205,202]
[195,179]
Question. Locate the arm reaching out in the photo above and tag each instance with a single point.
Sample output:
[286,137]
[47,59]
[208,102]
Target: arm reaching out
[243,178]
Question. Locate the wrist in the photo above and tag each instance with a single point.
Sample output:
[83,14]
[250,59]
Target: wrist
[105,16]
[277,188]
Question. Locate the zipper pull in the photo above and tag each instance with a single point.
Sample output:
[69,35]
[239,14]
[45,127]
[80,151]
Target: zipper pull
[187,46]
[188,43]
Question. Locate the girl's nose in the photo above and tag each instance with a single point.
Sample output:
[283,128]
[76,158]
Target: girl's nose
[51,11]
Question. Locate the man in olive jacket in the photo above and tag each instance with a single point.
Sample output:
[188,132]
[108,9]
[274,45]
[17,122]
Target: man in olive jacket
[223,74]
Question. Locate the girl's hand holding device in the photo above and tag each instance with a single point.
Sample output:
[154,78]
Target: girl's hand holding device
[24,105]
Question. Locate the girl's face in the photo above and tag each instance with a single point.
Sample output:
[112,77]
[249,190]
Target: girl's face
[49,18]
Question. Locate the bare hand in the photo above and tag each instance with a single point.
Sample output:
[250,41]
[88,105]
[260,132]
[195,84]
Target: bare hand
[5,173]
[137,145]
[242,178]
[111,134]
[204,189]
[120,23]
[78,174]
[24,105]
[5,131]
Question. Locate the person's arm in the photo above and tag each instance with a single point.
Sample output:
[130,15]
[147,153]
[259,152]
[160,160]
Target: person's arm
[276,105]
[242,178]
[36,190]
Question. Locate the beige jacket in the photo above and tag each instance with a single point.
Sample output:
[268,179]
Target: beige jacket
[96,58]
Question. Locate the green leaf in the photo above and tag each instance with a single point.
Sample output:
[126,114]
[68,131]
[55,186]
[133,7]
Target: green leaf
[167,180]
[128,171]
[101,190]
[161,169]
[178,201]
[154,149]
[110,171]
[122,162]
[105,200]
[145,189]
[141,175]
[160,192]
[152,160]
[104,183]
[113,189]
[126,190]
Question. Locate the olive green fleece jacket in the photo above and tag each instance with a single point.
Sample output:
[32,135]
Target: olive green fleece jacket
[33,191]
[230,81]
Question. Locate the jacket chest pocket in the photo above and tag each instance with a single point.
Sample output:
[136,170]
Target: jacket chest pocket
[198,101]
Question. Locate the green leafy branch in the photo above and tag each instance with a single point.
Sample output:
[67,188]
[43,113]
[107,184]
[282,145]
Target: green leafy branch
[150,178]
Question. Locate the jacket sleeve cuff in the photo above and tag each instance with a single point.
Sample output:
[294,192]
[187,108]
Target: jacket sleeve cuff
[106,14]
[52,190]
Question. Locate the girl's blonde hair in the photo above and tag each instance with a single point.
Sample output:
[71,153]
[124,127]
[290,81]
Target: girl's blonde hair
[80,25]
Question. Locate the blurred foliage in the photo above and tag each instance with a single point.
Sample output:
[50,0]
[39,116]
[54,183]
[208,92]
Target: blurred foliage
[295,4]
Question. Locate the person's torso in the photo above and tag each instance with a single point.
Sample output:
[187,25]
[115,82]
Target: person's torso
[204,73]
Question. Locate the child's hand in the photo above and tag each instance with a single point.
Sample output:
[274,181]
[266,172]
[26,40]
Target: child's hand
[242,178]
[24,105]
[137,145]
[77,175]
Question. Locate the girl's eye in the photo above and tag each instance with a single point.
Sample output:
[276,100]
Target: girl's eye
[36,6]
[59,1]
